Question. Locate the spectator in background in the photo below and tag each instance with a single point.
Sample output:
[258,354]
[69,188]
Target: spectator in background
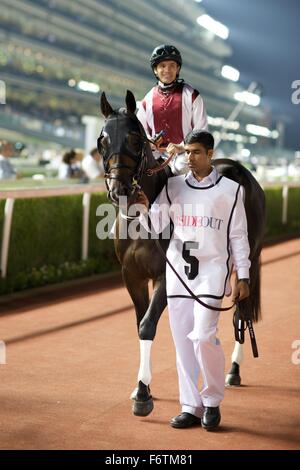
[70,168]
[7,171]
[92,165]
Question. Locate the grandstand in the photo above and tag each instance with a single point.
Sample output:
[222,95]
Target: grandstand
[50,49]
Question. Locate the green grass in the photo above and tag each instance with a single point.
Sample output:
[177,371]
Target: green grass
[46,239]
[275,227]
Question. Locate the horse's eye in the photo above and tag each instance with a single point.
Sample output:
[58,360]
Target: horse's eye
[102,145]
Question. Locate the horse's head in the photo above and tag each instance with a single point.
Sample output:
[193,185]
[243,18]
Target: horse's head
[122,144]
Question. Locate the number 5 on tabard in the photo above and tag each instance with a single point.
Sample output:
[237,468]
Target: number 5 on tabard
[193,269]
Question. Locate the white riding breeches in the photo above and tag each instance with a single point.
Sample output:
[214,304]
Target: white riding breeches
[198,353]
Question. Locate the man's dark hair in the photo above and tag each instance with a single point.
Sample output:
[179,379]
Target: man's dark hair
[200,137]
[69,156]
[93,151]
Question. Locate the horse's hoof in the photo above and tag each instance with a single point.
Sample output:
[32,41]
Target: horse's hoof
[134,393]
[233,380]
[142,408]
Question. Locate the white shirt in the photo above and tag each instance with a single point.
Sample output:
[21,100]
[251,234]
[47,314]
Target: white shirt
[7,170]
[160,214]
[206,181]
[92,168]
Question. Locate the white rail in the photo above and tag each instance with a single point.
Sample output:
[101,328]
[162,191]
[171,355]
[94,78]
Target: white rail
[285,196]
[12,194]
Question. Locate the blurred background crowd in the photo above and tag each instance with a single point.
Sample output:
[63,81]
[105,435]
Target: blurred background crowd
[56,57]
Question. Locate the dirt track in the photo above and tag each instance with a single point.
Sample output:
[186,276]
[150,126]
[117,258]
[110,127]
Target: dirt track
[72,360]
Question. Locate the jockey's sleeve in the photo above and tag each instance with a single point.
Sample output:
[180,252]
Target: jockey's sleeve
[158,214]
[142,117]
[199,114]
[199,121]
[238,237]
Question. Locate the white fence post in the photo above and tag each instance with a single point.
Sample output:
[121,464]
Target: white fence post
[2,352]
[8,213]
[86,202]
[285,200]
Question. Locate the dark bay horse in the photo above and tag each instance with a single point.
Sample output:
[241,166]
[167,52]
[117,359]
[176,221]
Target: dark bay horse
[127,157]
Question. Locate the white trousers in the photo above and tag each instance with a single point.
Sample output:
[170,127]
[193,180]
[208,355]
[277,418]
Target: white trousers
[198,353]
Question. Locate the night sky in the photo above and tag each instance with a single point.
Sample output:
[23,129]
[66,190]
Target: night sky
[265,38]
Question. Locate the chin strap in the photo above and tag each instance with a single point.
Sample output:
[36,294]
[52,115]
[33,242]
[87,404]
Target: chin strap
[169,86]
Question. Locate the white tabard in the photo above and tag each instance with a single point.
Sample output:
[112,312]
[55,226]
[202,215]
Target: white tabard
[199,248]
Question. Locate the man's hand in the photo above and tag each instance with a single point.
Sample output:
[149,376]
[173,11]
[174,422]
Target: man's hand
[241,291]
[142,199]
[174,149]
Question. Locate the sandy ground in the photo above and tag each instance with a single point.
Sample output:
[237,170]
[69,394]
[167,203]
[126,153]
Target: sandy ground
[72,361]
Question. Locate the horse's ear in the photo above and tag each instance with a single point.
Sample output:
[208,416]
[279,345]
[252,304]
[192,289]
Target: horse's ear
[130,102]
[106,108]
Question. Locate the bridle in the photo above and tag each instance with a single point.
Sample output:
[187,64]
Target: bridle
[121,121]
[120,146]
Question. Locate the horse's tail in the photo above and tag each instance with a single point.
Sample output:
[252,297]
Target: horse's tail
[250,308]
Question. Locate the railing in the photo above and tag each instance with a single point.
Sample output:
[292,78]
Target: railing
[285,196]
[10,195]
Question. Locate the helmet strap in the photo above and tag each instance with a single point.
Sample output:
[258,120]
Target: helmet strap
[169,86]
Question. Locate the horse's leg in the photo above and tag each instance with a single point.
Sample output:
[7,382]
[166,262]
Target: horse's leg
[143,402]
[139,293]
[233,378]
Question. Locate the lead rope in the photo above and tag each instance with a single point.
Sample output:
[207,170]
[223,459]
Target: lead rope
[240,328]
[209,307]
[237,320]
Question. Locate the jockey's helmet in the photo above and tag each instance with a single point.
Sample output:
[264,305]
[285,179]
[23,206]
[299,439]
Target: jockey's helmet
[165,52]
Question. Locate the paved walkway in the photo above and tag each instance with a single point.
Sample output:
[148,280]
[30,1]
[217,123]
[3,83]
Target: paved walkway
[72,360]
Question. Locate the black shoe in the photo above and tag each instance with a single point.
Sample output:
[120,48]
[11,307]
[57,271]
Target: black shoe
[211,417]
[185,420]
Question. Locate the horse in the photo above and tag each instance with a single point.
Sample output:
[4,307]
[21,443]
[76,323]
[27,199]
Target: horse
[128,161]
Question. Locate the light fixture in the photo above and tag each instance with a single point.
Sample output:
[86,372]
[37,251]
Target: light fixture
[245,152]
[275,134]
[262,131]
[221,122]
[214,26]
[88,86]
[246,97]
[230,73]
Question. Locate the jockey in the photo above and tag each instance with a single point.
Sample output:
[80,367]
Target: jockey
[172,107]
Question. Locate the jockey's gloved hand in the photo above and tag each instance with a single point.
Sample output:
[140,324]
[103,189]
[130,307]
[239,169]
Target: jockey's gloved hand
[175,149]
